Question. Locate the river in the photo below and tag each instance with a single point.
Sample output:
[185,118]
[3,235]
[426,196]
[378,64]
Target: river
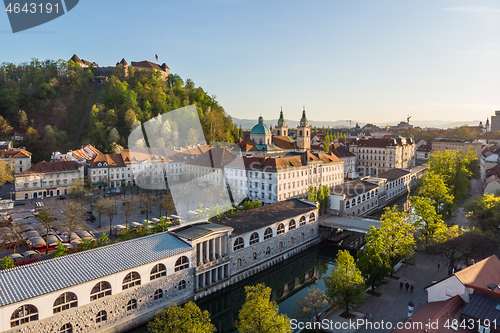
[289,281]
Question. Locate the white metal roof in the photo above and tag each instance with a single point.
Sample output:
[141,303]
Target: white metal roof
[36,279]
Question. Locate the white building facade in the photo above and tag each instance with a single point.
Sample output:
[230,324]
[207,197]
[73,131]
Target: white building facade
[275,179]
[47,179]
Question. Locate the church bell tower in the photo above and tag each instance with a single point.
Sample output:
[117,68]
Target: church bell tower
[281,129]
[304,132]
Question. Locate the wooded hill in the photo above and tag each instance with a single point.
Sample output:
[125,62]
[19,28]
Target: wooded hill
[46,102]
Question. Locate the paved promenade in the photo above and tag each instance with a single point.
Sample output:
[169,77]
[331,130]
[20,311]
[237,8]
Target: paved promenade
[392,305]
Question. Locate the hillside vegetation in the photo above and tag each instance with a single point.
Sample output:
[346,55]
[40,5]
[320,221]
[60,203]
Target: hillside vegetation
[46,102]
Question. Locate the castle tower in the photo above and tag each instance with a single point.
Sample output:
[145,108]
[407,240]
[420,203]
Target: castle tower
[304,133]
[281,128]
[487,124]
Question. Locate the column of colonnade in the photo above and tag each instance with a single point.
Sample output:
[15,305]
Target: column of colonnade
[212,276]
[211,250]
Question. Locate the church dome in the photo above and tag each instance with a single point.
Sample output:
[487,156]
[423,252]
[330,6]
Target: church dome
[260,128]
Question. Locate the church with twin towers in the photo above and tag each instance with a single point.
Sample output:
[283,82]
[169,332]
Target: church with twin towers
[278,167]
[261,139]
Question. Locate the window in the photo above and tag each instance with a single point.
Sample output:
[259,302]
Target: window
[280,246]
[281,229]
[132,304]
[181,263]
[254,256]
[66,328]
[65,301]
[302,221]
[131,279]
[291,225]
[254,238]
[268,233]
[268,250]
[24,314]
[100,290]
[312,217]
[238,263]
[101,316]
[158,294]
[158,271]
[182,285]
[238,244]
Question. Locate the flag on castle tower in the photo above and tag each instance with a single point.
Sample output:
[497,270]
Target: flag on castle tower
[156,57]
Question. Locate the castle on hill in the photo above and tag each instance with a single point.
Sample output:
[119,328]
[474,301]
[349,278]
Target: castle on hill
[109,70]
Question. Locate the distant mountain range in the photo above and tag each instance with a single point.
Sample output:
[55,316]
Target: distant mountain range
[249,123]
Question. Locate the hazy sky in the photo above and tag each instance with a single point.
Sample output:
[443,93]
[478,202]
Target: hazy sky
[362,60]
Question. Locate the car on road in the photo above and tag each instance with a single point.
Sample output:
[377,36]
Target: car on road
[19,203]
[62,197]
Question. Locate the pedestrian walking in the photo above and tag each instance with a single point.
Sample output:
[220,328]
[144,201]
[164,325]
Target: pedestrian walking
[400,285]
[407,285]
[411,289]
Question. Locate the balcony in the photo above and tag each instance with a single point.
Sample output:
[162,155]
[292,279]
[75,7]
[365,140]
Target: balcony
[210,264]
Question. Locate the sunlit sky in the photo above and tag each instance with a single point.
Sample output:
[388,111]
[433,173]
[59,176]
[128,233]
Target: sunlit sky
[364,60]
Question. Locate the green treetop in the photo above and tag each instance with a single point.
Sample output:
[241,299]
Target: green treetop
[345,285]
[373,262]
[7,263]
[261,315]
[182,319]
[396,231]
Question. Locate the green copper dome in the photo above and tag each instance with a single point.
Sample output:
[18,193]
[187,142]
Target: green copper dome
[260,128]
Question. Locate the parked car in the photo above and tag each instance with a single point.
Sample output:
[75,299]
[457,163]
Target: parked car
[62,197]
[114,191]
[19,203]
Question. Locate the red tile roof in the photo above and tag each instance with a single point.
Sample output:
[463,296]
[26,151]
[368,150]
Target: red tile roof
[481,274]
[435,312]
[340,150]
[113,160]
[47,167]
[282,163]
[217,157]
[14,153]
[247,145]
[283,142]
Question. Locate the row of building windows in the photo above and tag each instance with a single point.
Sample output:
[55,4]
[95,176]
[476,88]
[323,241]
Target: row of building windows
[239,243]
[360,198]
[102,289]
[255,256]
[373,151]
[28,313]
